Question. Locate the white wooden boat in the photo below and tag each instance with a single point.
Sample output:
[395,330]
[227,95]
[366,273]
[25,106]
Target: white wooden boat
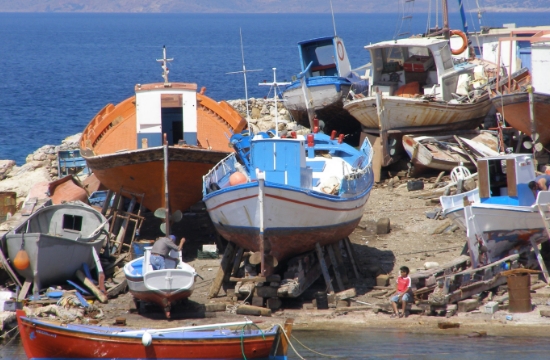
[270,197]
[58,240]
[162,287]
[323,84]
[415,87]
[444,152]
[506,217]
[453,206]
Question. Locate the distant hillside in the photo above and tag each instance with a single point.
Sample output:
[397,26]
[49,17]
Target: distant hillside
[250,6]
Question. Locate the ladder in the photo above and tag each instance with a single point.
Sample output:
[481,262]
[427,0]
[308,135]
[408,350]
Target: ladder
[544,211]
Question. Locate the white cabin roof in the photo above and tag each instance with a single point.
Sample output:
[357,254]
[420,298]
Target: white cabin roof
[420,42]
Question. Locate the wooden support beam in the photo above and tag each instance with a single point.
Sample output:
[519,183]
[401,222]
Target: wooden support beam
[107,202]
[335,267]
[24,290]
[224,270]
[124,226]
[237,261]
[349,249]
[324,268]
[340,262]
[539,258]
[90,285]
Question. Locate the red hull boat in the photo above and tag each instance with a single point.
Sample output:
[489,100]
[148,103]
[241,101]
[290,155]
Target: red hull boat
[49,340]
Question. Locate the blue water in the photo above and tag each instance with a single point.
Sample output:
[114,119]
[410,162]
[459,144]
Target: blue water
[382,344]
[58,70]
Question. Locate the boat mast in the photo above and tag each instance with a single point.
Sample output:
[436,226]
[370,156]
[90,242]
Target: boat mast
[446,31]
[244,71]
[275,86]
[333,22]
[165,62]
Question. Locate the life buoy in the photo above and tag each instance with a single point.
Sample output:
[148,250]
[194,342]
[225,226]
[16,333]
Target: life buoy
[464,42]
[340,50]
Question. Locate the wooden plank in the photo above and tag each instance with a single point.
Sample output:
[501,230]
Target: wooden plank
[90,285]
[223,270]
[6,266]
[511,177]
[29,206]
[483,178]
[324,268]
[335,267]
[24,290]
[122,232]
[539,257]
[349,249]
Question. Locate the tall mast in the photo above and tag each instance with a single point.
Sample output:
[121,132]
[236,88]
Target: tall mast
[446,32]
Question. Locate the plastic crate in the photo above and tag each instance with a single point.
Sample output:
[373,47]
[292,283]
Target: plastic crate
[206,255]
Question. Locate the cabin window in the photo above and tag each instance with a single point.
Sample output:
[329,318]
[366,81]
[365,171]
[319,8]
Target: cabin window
[446,57]
[498,181]
[325,55]
[72,222]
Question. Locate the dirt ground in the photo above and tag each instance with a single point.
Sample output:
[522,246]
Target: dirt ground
[411,242]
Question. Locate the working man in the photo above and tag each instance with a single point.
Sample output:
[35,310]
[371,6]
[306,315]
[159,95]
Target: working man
[161,250]
[541,183]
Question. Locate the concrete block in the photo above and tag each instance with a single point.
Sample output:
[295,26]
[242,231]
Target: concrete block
[274,303]
[346,294]
[467,305]
[343,303]
[266,291]
[382,280]
[383,226]
[491,307]
[257,301]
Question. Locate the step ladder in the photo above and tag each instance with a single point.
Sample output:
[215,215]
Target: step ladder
[544,211]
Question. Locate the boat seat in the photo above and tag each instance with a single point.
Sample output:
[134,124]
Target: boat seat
[316,166]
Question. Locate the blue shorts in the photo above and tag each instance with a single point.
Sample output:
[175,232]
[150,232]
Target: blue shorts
[406,298]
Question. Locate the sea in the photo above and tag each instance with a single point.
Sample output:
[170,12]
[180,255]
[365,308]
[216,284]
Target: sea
[57,70]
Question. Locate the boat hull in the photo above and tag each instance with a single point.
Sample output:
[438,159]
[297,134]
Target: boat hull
[294,220]
[502,229]
[325,93]
[42,340]
[142,172]
[163,287]
[515,110]
[409,113]
[47,251]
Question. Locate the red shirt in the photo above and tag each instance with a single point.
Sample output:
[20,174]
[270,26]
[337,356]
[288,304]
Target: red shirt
[403,283]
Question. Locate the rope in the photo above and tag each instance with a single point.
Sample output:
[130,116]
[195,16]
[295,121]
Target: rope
[8,332]
[313,351]
[10,340]
[289,343]
[242,337]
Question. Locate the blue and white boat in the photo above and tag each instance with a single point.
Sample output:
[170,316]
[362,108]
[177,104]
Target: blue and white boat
[502,214]
[281,196]
[324,82]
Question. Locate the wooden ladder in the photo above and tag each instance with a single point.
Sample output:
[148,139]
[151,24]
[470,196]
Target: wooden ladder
[544,210]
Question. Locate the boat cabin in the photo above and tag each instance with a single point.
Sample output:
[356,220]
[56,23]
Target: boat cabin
[328,55]
[417,66]
[169,109]
[504,179]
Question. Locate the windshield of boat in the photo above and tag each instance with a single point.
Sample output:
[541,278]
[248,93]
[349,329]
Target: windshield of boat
[325,55]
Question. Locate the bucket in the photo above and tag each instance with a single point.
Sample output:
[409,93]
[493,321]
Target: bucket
[414,185]
[519,293]
[7,205]
[322,300]
[138,247]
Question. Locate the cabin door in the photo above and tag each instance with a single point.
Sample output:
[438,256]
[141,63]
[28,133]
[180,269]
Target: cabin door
[172,117]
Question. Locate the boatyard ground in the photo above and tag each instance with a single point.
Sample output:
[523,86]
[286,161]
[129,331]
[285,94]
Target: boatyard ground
[413,241]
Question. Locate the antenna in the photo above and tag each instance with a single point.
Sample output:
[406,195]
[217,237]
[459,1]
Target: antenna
[165,62]
[244,71]
[275,86]
[333,22]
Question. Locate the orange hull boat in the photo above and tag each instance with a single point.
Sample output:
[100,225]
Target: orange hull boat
[123,144]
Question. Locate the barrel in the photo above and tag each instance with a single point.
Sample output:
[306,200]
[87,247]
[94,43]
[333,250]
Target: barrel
[322,300]
[519,293]
[138,247]
[7,205]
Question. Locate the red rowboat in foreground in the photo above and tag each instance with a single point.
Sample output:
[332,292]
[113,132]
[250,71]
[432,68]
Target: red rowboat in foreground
[49,340]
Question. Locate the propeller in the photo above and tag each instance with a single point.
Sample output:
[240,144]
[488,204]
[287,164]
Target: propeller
[174,218]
